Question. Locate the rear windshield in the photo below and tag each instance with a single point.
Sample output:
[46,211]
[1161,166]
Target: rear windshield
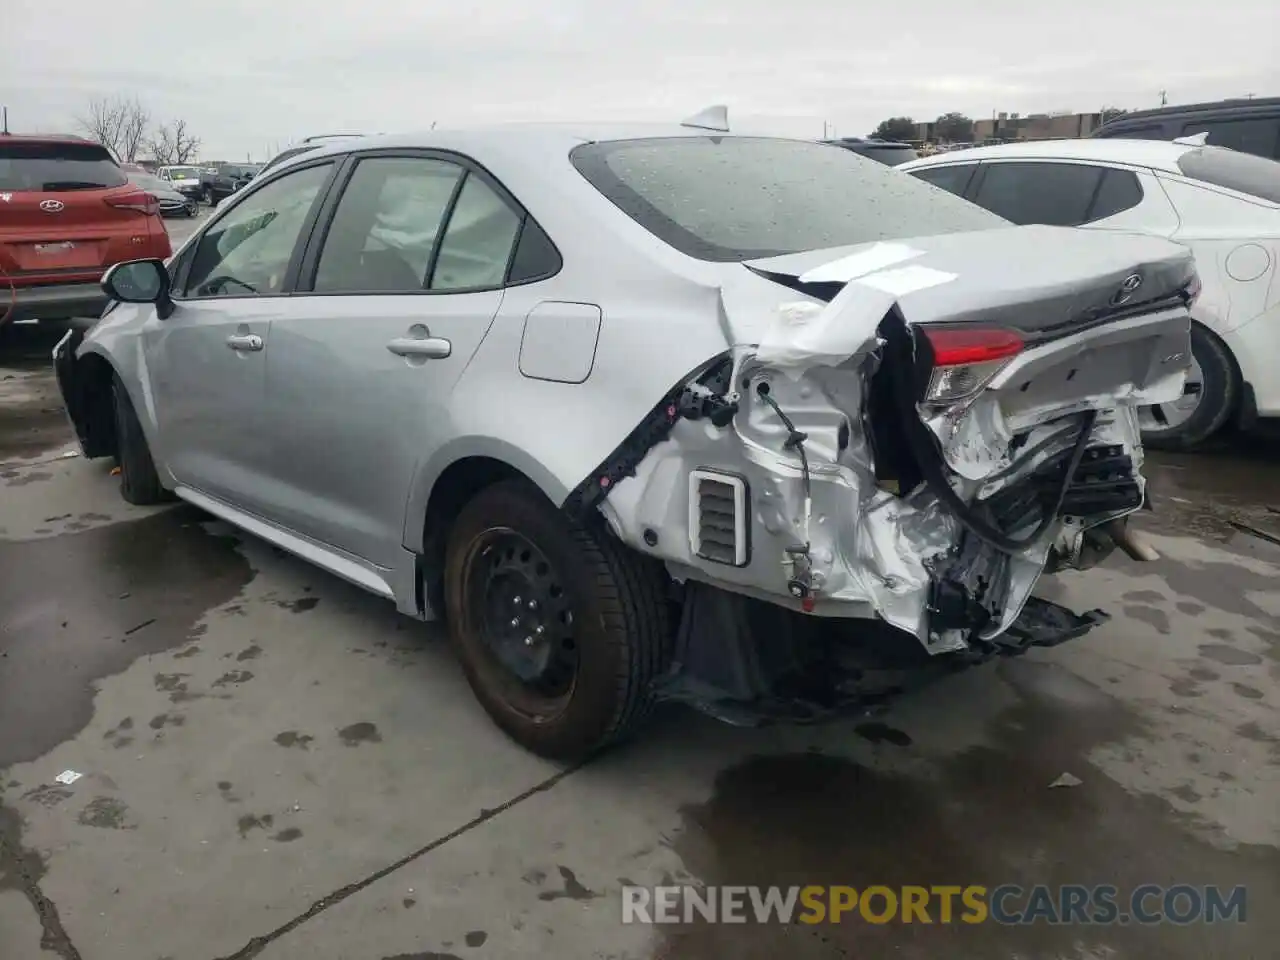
[57,166]
[184,173]
[736,198]
[1244,172]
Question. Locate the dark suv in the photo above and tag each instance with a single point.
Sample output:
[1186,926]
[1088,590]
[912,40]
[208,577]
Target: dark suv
[889,152]
[1250,126]
[226,179]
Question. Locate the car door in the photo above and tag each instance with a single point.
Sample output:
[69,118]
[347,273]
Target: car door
[207,360]
[395,296]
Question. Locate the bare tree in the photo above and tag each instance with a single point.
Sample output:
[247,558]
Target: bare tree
[133,130]
[173,143]
[118,123]
[103,121]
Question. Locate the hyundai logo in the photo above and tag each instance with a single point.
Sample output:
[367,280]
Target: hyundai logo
[51,206]
[1127,289]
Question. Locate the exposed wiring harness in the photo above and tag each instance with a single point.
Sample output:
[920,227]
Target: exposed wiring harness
[795,441]
[933,470]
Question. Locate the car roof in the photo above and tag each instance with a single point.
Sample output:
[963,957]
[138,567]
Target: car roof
[68,138]
[535,138]
[1237,105]
[1158,154]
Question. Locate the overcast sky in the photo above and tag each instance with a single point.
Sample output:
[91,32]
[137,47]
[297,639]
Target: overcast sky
[251,75]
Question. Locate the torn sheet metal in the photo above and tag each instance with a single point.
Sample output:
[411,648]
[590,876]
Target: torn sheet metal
[807,333]
[793,429]
[1131,363]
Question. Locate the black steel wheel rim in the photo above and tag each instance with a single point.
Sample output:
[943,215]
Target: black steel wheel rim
[523,614]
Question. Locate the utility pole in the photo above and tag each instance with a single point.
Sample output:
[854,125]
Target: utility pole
[5,131]
[1164,98]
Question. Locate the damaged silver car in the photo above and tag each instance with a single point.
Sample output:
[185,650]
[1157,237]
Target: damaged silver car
[754,424]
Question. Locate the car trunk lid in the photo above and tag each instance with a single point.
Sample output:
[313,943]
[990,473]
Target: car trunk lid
[1002,330]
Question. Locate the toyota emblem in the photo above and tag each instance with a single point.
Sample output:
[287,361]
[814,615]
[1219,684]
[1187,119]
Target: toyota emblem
[1127,289]
[51,206]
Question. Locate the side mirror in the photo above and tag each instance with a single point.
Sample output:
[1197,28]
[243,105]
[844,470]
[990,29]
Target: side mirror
[140,281]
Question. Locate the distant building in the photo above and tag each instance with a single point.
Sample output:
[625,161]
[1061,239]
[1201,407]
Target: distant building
[1035,126]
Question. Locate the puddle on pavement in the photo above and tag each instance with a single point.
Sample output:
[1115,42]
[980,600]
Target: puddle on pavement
[985,817]
[82,606]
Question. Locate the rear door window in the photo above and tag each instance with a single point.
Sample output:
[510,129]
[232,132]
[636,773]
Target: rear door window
[1257,135]
[1058,194]
[953,177]
[384,230]
[51,167]
[478,242]
[1119,191]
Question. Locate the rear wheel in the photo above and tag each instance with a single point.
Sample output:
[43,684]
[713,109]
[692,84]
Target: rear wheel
[1211,395]
[139,481]
[561,630]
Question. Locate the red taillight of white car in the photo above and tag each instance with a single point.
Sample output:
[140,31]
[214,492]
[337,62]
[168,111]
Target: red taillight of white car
[142,202]
[964,359]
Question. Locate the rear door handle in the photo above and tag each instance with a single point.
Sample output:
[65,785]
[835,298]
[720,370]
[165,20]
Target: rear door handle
[245,341]
[434,348]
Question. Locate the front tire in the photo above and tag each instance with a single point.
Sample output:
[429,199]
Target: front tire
[139,481]
[1211,397]
[561,630]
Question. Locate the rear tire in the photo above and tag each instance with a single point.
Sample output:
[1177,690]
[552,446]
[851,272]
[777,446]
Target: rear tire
[1220,388]
[139,481]
[614,602]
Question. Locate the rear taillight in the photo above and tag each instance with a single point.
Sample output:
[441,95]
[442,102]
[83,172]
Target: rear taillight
[966,358]
[140,201]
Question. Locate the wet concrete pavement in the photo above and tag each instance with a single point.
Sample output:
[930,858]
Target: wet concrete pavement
[275,764]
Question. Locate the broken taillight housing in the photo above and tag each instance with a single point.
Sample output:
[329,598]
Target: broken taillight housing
[964,359]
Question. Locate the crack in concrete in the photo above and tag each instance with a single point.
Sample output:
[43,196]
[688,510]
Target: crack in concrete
[27,868]
[257,944]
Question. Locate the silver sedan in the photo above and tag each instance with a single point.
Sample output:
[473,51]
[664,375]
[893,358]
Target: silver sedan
[647,413]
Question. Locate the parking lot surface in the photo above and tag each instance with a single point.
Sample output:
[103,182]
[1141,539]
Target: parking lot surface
[273,764]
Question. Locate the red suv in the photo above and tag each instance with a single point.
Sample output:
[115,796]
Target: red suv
[67,212]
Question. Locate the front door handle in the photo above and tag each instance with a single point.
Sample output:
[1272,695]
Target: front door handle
[245,341]
[433,348]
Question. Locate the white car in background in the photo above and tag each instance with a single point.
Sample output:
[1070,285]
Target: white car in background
[1222,204]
